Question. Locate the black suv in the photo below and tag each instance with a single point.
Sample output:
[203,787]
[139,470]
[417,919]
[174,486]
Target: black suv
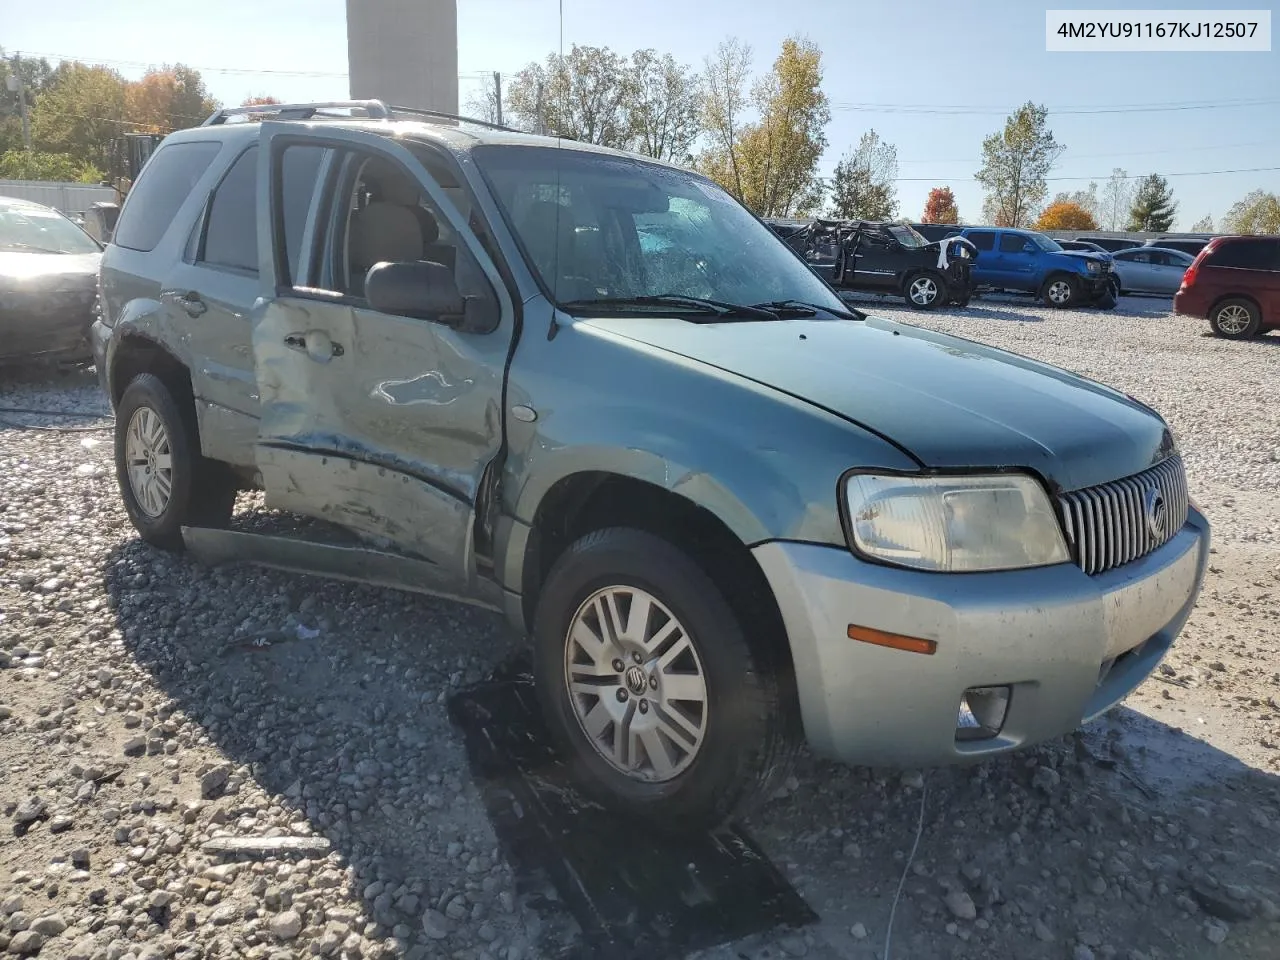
[883,257]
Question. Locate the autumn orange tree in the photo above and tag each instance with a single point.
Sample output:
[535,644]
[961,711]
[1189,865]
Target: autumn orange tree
[259,101]
[940,207]
[168,99]
[1066,215]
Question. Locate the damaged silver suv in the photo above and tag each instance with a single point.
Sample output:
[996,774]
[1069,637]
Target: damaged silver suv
[593,392]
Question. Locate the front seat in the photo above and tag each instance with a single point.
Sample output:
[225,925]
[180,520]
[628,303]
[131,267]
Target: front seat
[380,232]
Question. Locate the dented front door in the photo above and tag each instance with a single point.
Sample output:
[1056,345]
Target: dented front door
[382,424]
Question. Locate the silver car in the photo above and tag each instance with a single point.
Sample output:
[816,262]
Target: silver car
[1151,269]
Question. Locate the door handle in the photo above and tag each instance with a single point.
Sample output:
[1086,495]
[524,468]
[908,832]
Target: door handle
[315,344]
[192,303]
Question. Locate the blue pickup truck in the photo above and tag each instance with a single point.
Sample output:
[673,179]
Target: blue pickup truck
[1030,262]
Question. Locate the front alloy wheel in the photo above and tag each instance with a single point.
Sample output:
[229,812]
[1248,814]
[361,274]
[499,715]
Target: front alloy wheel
[150,461]
[1060,292]
[636,684]
[925,291]
[668,700]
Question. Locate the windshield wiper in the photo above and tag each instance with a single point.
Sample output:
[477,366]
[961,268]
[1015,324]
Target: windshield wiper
[803,308]
[721,308]
[19,245]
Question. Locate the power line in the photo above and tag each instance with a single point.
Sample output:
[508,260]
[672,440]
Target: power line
[1107,176]
[959,110]
[472,75]
[1134,153]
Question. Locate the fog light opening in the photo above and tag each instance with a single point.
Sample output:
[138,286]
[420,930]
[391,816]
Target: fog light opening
[982,712]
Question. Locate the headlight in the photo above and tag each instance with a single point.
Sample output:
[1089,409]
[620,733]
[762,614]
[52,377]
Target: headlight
[956,524]
[1092,266]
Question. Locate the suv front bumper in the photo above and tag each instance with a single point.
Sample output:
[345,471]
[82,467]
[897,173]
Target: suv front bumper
[1046,633]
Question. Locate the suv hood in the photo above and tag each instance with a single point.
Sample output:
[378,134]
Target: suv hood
[950,403]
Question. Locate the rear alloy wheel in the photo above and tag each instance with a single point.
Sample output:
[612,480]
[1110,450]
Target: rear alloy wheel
[1235,319]
[663,700]
[926,291]
[1060,291]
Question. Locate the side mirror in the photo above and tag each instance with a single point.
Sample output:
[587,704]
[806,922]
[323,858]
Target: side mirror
[419,289]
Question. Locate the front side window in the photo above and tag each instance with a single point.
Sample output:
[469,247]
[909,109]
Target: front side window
[231,229]
[35,229]
[906,236]
[597,227]
[1012,243]
[168,179]
[376,211]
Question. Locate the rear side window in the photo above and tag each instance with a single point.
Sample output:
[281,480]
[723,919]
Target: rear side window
[983,241]
[1247,255]
[231,233]
[166,181]
[1011,243]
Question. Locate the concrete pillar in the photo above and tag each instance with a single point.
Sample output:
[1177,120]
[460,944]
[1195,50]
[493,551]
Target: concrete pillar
[404,52]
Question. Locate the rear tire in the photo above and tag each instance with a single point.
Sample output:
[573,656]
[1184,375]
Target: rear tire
[165,482]
[686,762]
[1235,319]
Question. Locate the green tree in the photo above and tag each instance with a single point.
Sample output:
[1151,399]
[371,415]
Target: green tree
[79,112]
[581,95]
[940,207]
[1153,207]
[1016,163]
[778,155]
[1259,212]
[1203,225]
[664,108]
[723,113]
[21,164]
[36,74]
[864,185]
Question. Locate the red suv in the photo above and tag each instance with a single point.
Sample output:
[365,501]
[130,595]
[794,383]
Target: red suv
[1235,283]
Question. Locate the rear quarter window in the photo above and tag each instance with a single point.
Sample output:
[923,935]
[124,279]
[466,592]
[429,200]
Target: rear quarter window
[165,182]
[1247,255]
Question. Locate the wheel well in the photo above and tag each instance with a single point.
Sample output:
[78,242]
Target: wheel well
[137,355]
[584,502]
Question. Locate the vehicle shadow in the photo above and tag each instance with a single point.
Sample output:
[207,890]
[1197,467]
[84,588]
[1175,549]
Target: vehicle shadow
[334,698]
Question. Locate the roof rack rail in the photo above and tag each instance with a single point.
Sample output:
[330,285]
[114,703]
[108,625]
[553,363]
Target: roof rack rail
[369,109]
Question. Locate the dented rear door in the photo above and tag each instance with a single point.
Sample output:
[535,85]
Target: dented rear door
[382,424]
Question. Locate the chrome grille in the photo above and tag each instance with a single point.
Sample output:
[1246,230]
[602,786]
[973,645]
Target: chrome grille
[1114,523]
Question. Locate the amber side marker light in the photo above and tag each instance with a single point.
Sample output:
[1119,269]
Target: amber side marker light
[895,640]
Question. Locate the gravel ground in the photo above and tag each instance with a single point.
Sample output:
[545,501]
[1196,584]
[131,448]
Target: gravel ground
[156,716]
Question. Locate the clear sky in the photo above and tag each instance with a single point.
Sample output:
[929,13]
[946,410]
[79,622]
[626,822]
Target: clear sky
[983,57]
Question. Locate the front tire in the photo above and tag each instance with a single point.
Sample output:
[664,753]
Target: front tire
[655,693]
[1235,319]
[1061,291]
[925,291]
[164,480]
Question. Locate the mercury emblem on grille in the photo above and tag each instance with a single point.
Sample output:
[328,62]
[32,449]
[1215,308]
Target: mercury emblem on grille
[1157,513]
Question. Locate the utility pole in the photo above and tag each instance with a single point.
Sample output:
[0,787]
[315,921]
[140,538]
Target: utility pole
[16,84]
[497,95]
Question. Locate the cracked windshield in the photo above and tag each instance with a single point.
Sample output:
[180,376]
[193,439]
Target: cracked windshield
[552,480]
